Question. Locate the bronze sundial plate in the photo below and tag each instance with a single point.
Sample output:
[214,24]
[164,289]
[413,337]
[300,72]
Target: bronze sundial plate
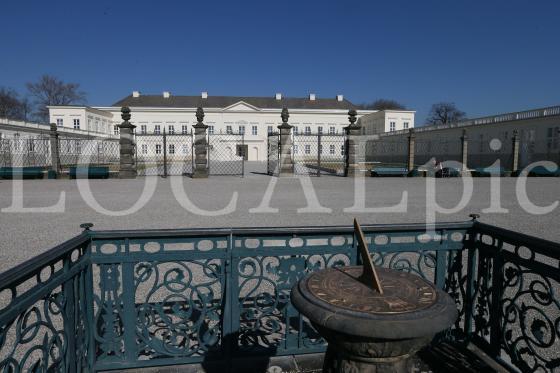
[409,305]
[403,292]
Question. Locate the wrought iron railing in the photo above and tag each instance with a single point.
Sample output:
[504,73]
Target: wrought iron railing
[118,299]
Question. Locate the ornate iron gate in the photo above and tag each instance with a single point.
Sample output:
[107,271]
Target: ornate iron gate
[318,154]
[164,154]
[273,153]
[226,153]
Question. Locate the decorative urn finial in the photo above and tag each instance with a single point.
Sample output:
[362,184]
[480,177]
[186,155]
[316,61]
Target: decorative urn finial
[352,116]
[125,110]
[199,114]
[285,115]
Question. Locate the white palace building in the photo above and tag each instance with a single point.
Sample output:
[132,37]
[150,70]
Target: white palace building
[253,116]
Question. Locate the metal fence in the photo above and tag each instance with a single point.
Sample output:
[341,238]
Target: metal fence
[440,150]
[34,152]
[75,152]
[318,154]
[123,299]
[226,153]
[164,154]
[387,151]
[273,153]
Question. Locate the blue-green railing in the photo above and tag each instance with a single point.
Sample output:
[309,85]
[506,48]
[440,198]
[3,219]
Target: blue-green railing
[118,299]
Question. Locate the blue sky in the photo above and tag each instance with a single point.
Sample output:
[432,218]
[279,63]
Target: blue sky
[486,56]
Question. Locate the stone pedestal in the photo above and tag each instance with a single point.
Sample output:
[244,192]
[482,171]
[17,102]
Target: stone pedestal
[200,170]
[286,165]
[55,158]
[127,167]
[352,148]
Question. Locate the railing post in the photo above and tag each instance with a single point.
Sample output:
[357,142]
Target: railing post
[464,151]
[515,153]
[286,166]
[319,155]
[200,170]
[352,155]
[127,167]
[411,146]
[164,154]
[55,159]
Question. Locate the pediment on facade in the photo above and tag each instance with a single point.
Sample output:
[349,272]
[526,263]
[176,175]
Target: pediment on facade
[241,106]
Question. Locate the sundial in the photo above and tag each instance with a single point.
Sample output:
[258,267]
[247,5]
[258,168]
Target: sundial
[374,319]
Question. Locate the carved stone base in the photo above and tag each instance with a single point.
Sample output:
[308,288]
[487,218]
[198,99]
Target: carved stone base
[349,354]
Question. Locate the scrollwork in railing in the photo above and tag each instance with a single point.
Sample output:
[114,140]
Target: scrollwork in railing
[181,311]
[530,319]
[36,340]
[483,296]
[421,263]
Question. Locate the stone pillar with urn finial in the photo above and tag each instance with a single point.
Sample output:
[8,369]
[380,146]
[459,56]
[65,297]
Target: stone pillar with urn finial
[286,165]
[127,169]
[200,170]
[352,149]
[55,158]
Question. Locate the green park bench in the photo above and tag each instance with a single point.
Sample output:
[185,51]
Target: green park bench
[392,171]
[21,172]
[95,172]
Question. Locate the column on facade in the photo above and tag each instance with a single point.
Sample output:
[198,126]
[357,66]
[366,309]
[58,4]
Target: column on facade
[127,168]
[200,146]
[352,147]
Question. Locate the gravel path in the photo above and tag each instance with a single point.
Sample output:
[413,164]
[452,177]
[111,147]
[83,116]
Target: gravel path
[24,235]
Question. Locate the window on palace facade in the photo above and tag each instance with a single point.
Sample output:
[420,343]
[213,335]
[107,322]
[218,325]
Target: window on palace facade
[229,130]
[78,147]
[332,149]
[116,129]
[392,126]
[144,149]
[270,130]
[553,137]
[16,142]
[342,150]
[184,129]
[157,130]
[143,129]
[295,149]
[158,148]
[320,149]
[320,130]
[254,130]
[307,149]
[59,122]
[241,130]
[96,127]
[307,130]
[171,149]
[295,130]
[185,149]
[76,124]
[211,130]
[171,129]
[405,125]
[332,130]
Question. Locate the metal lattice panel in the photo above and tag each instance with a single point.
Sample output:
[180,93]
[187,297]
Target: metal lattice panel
[226,153]
[164,154]
[82,152]
[318,154]
[30,152]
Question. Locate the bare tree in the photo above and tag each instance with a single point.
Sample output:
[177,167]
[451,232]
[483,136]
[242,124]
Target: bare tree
[50,90]
[10,105]
[445,112]
[383,104]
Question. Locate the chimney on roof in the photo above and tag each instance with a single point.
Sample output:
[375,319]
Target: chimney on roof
[339,98]
[204,95]
[312,97]
[135,94]
[166,94]
[279,96]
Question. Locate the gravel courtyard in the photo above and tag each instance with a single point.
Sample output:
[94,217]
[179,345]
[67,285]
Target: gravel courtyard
[25,234]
